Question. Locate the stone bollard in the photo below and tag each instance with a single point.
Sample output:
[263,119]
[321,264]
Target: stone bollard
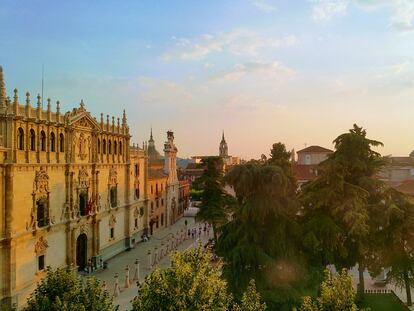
[162,254]
[136,273]
[104,287]
[149,260]
[127,281]
[155,255]
[116,287]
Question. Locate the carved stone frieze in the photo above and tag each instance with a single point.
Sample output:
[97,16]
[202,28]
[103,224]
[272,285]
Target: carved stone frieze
[41,245]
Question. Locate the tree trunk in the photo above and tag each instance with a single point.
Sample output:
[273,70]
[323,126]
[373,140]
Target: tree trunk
[361,285]
[214,232]
[407,288]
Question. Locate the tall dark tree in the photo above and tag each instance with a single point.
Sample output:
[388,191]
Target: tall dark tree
[260,241]
[214,200]
[279,156]
[397,235]
[341,204]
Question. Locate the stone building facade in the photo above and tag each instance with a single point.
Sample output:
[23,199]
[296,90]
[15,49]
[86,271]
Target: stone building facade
[72,190]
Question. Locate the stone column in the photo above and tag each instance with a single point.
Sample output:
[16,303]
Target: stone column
[136,273]
[127,281]
[116,286]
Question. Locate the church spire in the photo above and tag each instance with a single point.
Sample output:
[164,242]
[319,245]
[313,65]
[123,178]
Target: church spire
[151,138]
[223,149]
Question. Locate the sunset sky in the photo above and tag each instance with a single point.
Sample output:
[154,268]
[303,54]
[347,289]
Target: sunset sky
[299,72]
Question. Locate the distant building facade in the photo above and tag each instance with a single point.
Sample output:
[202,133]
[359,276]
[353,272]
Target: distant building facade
[399,173]
[196,167]
[306,167]
[73,190]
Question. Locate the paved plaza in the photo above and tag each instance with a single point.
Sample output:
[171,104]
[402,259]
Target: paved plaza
[157,244]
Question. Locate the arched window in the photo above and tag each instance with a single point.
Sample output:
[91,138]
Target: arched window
[41,213]
[109,147]
[42,141]
[20,139]
[104,146]
[52,142]
[83,203]
[99,145]
[115,146]
[113,193]
[61,143]
[32,140]
[120,147]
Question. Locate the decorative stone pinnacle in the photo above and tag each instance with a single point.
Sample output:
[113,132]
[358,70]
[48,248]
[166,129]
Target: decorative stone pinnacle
[124,119]
[48,104]
[38,100]
[27,98]
[2,89]
[15,97]
[58,106]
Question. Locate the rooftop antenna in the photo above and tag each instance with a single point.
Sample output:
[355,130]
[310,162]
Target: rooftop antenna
[43,74]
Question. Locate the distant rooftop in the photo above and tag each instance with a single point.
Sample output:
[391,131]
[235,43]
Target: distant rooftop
[315,149]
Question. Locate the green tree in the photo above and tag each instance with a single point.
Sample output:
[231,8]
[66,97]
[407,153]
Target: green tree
[62,289]
[397,235]
[336,294]
[251,300]
[214,200]
[260,241]
[279,156]
[191,283]
[341,205]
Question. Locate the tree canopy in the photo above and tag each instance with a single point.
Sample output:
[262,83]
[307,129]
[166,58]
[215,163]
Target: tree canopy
[62,289]
[215,201]
[192,282]
[336,294]
[261,239]
[341,205]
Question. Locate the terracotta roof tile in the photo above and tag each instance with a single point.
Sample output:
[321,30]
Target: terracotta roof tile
[156,174]
[304,172]
[315,149]
[407,187]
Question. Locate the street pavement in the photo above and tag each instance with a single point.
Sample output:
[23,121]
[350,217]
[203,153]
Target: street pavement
[160,239]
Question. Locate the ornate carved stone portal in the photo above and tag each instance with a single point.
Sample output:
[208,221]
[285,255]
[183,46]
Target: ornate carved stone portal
[113,177]
[41,246]
[40,194]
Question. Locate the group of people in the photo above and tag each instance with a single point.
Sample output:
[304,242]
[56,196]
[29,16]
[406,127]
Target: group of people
[144,237]
[89,268]
[196,233]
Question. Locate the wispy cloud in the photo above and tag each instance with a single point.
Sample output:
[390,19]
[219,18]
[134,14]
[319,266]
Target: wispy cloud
[402,12]
[236,42]
[403,15]
[264,6]
[267,71]
[325,10]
